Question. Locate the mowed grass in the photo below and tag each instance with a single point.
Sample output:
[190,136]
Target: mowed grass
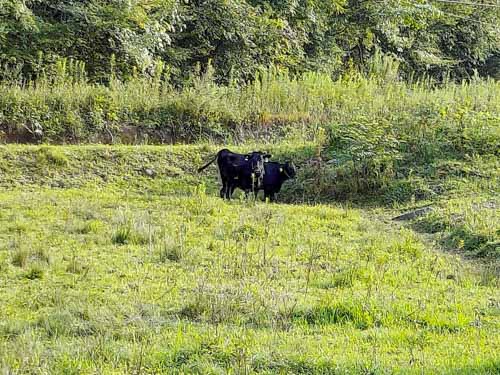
[113,278]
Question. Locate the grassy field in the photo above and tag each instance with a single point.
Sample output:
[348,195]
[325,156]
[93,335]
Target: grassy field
[108,268]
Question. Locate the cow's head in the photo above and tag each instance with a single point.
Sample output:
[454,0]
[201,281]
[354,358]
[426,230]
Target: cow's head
[288,169]
[256,160]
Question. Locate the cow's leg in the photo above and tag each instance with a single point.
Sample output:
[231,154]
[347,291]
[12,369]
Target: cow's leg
[271,195]
[224,188]
[256,189]
[229,190]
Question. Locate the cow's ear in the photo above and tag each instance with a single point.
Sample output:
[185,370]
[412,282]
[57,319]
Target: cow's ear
[267,156]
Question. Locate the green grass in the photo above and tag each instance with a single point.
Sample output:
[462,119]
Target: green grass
[471,225]
[104,269]
[421,119]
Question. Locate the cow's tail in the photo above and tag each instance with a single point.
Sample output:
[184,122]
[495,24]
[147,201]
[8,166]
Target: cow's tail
[206,165]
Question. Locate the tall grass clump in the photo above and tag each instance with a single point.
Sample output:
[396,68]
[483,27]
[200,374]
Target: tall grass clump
[129,232]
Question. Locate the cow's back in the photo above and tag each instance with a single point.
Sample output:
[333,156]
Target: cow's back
[230,163]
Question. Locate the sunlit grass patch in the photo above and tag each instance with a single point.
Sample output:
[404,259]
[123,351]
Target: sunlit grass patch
[162,276]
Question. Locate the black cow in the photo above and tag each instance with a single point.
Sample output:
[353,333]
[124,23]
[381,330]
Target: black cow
[274,177]
[245,171]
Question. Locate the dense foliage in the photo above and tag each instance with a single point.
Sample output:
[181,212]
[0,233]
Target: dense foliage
[239,36]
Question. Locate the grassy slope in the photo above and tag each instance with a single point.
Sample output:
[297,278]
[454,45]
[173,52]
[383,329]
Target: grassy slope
[418,117]
[105,269]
